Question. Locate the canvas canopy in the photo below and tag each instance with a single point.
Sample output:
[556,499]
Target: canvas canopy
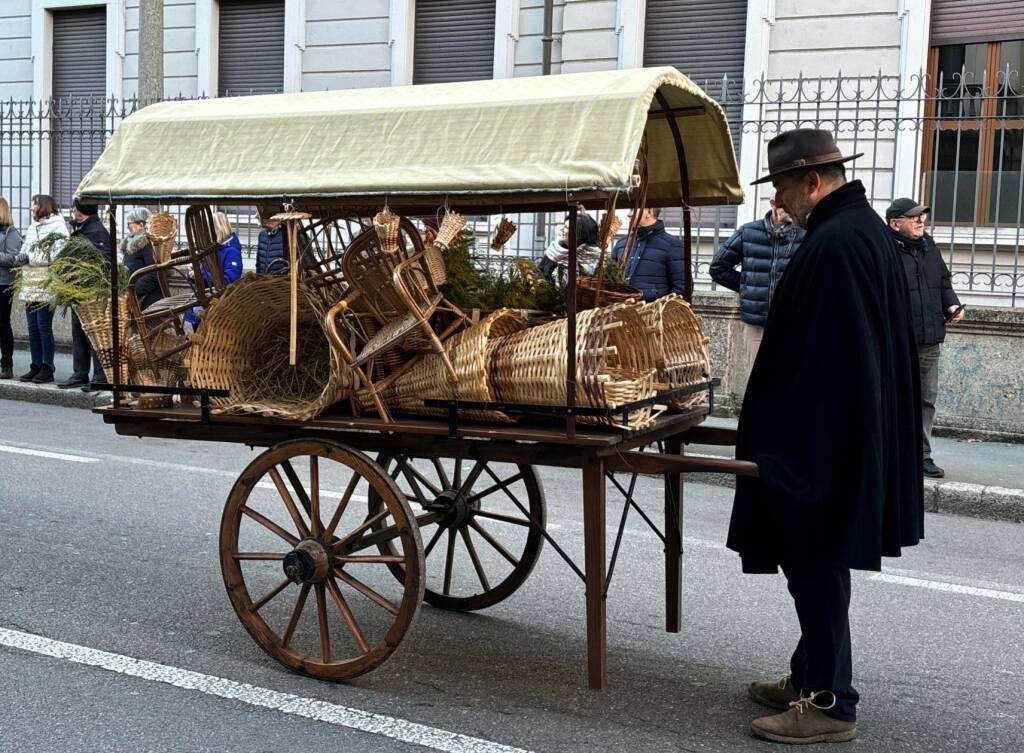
[552,138]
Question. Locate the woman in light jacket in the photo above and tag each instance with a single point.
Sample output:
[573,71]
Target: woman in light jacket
[39,304]
[11,256]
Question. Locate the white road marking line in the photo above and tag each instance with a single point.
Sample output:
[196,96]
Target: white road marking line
[46,454]
[934,585]
[286,703]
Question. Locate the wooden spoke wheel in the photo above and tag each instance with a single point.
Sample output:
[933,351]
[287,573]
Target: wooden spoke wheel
[482,522]
[301,563]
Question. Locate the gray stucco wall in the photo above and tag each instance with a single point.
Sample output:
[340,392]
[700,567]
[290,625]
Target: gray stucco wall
[346,45]
[981,374]
[16,49]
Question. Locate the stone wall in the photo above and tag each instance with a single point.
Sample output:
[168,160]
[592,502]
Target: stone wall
[981,374]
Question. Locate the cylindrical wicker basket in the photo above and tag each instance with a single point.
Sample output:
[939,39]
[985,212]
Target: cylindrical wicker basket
[243,346]
[469,352]
[98,327]
[613,366]
[683,353]
[162,230]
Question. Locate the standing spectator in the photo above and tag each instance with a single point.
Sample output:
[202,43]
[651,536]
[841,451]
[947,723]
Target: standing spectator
[655,265]
[229,251]
[832,418]
[270,247]
[46,221]
[11,256]
[932,301]
[556,256]
[86,223]
[761,250]
[136,254]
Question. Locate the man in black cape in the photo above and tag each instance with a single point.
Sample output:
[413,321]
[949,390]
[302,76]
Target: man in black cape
[831,416]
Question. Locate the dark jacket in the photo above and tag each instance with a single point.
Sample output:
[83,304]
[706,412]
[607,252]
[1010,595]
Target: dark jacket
[11,255]
[761,251]
[137,253]
[656,264]
[832,410]
[269,248]
[93,229]
[931,287]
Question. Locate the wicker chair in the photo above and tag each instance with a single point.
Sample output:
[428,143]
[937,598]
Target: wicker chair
[165,314]
[391,296]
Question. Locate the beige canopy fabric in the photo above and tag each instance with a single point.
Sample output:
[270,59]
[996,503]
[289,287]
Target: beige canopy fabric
[549,136]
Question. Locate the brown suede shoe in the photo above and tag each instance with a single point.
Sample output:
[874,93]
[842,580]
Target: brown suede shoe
[774,695]
[803,724]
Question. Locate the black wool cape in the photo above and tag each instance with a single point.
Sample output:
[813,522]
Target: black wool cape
[832,411]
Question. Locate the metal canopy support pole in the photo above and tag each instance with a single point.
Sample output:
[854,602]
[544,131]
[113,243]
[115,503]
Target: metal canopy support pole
[570,373]
[684,184]
[594,566]
[115,314]
[673,540]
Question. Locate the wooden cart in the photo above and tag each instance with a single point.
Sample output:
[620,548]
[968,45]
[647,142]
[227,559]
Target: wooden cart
[367,516]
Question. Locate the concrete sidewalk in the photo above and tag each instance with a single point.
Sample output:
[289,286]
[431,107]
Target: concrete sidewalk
[983,479]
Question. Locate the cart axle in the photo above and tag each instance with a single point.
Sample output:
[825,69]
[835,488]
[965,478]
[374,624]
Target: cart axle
[309,562]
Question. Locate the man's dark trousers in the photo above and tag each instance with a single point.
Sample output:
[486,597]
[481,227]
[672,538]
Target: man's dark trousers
[928,360]
[82,354]
[822,660]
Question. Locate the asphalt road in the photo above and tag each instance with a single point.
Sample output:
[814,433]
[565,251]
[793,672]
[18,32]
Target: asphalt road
[109,549]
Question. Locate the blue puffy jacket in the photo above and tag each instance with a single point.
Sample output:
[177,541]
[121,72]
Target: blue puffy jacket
[656,264]
[230,253]
[761,251]
[269,248]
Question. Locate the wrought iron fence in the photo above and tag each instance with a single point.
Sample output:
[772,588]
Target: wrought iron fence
[953,141]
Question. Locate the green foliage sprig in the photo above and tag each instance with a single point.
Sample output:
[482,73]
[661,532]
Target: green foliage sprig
[81,273]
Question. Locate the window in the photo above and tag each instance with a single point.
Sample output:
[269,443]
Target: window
[453,41]
[974,133]
[250,47]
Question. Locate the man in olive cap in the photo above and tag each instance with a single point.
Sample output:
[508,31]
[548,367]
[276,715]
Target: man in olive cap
[932,304]
[832,417]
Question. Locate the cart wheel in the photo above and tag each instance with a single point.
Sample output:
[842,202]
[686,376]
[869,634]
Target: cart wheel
[490,517]
[289,534]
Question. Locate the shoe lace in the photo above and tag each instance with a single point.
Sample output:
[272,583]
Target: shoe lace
[784,680]
[805,702]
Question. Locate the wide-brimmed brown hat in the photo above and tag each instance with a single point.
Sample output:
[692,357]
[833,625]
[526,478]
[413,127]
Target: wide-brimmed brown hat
[802,148]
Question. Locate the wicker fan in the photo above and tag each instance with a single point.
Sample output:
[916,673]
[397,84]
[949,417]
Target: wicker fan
[504,230]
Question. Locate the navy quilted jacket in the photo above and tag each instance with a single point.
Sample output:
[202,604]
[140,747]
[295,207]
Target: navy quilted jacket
[761,252]
[656,264]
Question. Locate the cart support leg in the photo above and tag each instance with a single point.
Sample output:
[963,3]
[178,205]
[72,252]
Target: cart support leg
[594,558]
[673,541]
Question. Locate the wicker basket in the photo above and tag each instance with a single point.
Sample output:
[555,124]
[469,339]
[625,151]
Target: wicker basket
[469,352]
[683,355]
[162,231]
[503,232]
[98,327]
[450,229]
[171,371]
[611,292]
[434,256]
[243,346]
[612,364]
[387,224]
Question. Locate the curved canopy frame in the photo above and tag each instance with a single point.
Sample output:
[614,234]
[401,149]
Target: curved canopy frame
[525,143]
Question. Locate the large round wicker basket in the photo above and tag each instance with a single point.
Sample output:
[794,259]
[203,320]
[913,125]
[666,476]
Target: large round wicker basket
[683,354]
[243,345]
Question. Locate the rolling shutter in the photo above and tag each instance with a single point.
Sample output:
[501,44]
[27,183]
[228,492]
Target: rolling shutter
[251,47]
[705,41]
[972,21]
[79,83]
[454,41]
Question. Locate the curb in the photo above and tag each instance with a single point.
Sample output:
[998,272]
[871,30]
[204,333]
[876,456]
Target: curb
[49,394]
[944,497]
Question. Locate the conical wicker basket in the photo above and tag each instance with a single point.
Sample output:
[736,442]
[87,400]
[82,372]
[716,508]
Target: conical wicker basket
[683,353]
[162,231]
[387,225]
[98,327]
[469,352]
[614,364]
[450,229]
[503,232]
[243,346]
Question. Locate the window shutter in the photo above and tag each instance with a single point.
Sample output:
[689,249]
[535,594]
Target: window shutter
[79,83]
[454,41]
[971,21]
[705,41]
[251,47]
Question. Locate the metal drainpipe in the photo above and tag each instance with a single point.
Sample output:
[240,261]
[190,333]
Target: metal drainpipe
[541,219]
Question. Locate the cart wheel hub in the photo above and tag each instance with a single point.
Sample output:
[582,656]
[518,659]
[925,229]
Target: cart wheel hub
[453,507]
[309,562]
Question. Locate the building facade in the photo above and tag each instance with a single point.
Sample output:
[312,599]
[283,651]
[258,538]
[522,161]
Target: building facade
[929,90]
